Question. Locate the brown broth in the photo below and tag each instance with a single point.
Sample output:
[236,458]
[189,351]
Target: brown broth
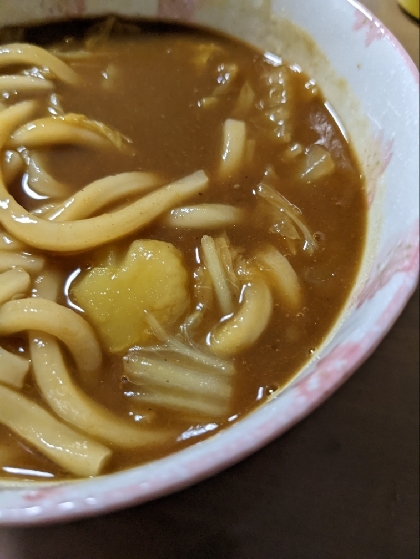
[155,103]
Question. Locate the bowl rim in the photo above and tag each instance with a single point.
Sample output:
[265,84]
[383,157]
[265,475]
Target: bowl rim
[50,504]
[408,61]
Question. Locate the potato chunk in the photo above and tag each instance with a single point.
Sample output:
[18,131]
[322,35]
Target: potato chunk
[117,291]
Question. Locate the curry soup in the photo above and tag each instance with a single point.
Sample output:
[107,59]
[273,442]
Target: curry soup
[204,307]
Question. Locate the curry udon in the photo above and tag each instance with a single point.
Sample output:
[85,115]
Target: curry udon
[182,220]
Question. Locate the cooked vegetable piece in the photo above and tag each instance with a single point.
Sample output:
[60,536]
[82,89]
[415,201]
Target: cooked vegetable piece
[277,103]
[281,275]
[315,164]
[233,149]
[150,277]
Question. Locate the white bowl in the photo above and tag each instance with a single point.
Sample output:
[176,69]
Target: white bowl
[373,86]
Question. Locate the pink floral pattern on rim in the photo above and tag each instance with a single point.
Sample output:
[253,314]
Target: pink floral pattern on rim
[376,169]
[178,9]
[37,495]
[387,33]
[373,27]
[328,368]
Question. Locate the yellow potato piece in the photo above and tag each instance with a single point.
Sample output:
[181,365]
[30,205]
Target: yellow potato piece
[116,293]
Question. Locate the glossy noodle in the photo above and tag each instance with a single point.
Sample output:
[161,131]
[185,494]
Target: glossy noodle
[181,222]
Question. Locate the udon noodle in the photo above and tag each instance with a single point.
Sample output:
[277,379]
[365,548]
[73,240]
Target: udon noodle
[159,279]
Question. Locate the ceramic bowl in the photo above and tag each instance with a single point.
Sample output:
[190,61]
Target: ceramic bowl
[372,85]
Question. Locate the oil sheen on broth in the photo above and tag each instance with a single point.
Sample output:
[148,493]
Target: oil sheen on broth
[285,246]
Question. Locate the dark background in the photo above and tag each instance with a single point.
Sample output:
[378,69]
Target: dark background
[343,484]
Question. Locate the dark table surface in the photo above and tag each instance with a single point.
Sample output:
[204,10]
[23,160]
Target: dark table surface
[343,484]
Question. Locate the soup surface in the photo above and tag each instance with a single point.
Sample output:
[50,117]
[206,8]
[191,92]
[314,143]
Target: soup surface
[199,311]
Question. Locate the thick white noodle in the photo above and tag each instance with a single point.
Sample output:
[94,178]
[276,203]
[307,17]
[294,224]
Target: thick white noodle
[76,55]
[102,192]
[55,107]
[14,283]
[88,233]
[245,326]
[65,324]
[71,450]
[204,216]
[12,166]
[215,268]
[233,148]
[25,54]
[55,130]
[245,101]
[40,181]
[45,209]
[29,262]
[13,116]
[61,393]
[281,275]
[24,84]
[70,403]
[10,244]
[95,231]
[48,284]
[13,369]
